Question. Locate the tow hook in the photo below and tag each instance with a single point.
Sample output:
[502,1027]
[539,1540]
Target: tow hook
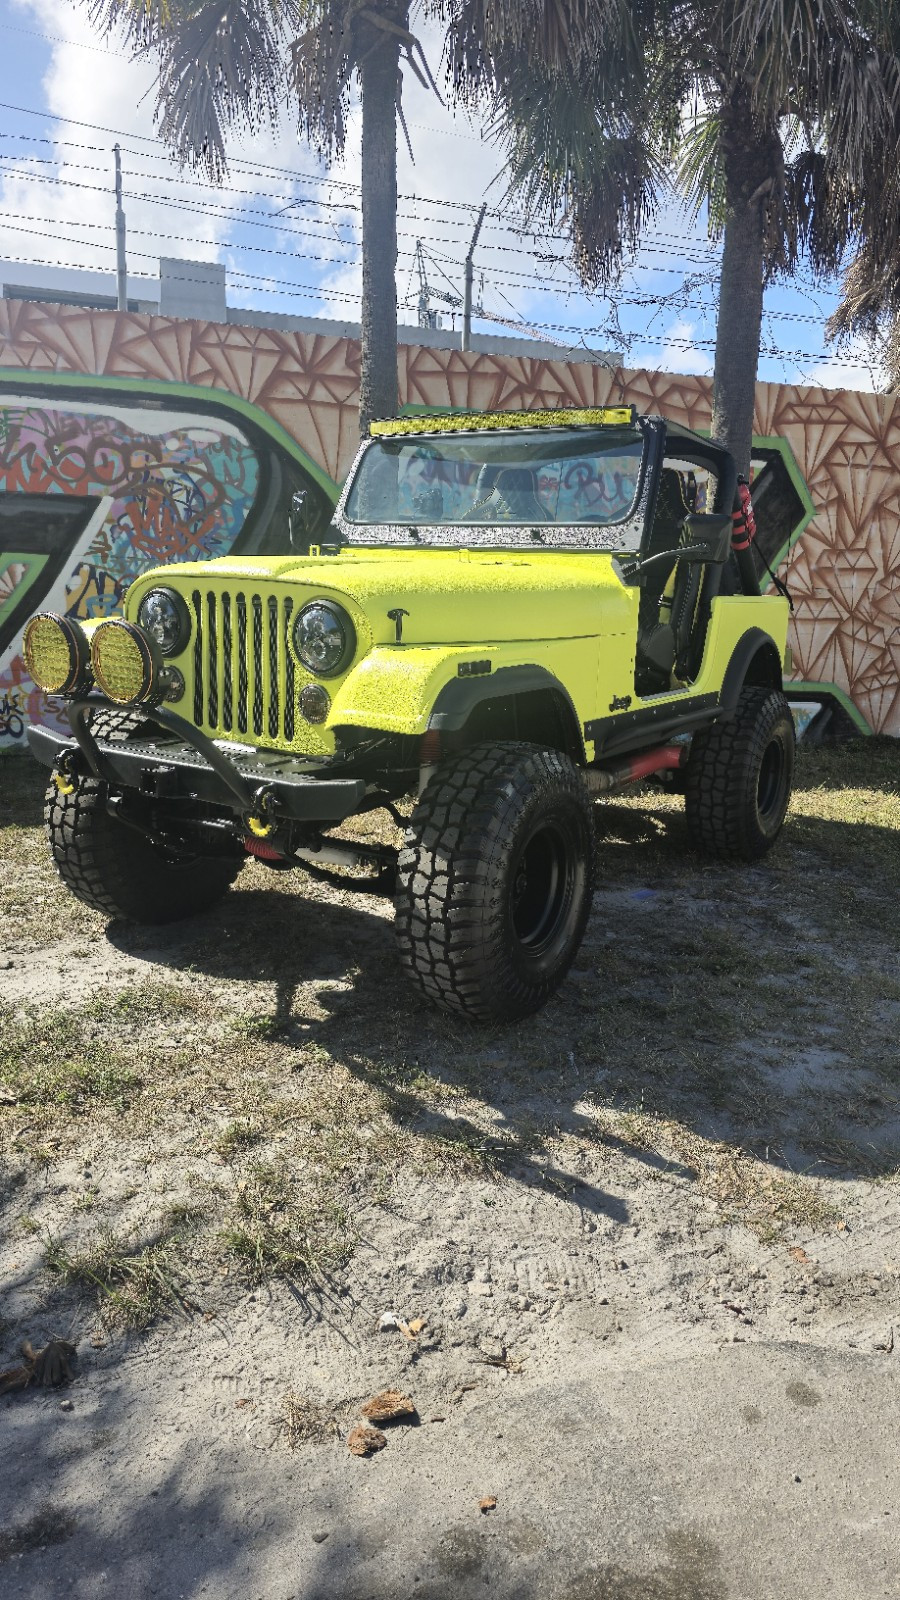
[65,773]
[262,820]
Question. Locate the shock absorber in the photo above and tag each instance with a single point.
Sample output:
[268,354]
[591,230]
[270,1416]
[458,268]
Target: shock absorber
[743,533]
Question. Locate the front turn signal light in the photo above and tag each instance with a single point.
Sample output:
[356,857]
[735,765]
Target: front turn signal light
[126,663]
[56,654]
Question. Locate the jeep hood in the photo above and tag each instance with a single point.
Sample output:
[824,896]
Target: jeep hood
[457,597]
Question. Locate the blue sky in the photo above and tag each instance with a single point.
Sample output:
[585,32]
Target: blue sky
[288,231]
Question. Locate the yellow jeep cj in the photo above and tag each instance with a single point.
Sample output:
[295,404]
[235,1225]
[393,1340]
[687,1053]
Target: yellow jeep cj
[508,616]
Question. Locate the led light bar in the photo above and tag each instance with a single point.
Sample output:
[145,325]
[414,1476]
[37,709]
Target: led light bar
[486,421]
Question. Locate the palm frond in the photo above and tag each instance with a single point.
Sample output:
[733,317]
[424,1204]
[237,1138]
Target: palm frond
[580,159]
[560,35]
[221,63]
[699,168]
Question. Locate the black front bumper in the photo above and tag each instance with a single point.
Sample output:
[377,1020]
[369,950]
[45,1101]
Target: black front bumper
[174,761]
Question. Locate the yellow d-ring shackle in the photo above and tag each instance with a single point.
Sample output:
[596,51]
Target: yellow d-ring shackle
[262,821]
[64,775]
[260,829]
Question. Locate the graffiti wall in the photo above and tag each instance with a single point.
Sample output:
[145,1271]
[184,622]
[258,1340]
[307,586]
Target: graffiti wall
[844,569]
[90,495]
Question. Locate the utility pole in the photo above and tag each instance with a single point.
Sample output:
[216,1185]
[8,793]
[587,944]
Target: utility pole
[121,271]
[470,277]
[427,317]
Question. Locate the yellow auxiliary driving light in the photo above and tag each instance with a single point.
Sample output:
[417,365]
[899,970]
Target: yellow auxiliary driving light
[56,653]
[126,662]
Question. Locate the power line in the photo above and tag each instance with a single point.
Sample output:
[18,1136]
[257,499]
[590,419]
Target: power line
[522,281]
[55,38]
[299,290]
[239,212]
[510,221]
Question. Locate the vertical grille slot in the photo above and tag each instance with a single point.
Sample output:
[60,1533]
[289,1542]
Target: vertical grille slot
[198,656]
[241,604]
[256,662]
[288,701]
[212,656]
[227,647]
[276,689]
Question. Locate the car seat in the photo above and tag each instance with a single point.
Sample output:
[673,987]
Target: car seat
[661,642]
[515,496]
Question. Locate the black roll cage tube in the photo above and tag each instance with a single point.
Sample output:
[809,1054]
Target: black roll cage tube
[79,710]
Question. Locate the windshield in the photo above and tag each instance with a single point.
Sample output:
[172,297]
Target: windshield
[559,476]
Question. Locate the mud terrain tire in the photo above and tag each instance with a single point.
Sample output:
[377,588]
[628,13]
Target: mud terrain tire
[116,870]
[495,881]
[739,776]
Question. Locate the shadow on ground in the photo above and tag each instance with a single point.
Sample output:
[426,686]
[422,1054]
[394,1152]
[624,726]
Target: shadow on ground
[751,1005]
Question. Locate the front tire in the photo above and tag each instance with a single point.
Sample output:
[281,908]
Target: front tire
[118,871]
[495,881]
[739,777]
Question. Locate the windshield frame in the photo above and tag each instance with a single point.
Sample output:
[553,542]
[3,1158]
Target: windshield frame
[621,536]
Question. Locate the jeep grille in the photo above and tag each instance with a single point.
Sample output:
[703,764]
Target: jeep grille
[243,667]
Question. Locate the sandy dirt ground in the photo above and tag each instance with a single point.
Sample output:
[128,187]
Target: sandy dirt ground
[646,1245]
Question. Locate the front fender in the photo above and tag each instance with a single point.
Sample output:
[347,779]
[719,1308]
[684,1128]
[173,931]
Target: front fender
[409,689]
[394,687]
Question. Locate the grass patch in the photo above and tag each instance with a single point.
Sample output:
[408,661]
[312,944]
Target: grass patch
[49,1059]
[277,1228]
[235,1138]
[698,985]
[149,1003]
[132,1284]
[846,804]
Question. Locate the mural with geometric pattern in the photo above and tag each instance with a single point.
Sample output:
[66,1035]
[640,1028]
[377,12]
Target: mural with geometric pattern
[844,571]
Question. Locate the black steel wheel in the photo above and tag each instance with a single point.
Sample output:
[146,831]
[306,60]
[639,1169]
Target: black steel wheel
[739,777]
[495,881]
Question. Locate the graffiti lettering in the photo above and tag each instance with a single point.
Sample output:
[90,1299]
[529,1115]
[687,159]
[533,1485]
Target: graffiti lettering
[174,494]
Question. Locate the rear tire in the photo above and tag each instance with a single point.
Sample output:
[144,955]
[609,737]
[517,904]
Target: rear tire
[495,881]
[117,870]
[739,776]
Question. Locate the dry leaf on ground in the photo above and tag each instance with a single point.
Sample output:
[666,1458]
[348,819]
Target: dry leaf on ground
[52,1365]
[47,1368]
[489,1503]
[365,1441]
[388,1406]
[13,1378]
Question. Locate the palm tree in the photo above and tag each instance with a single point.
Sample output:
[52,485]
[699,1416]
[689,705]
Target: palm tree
[230,65]
[783,116]
[870,303]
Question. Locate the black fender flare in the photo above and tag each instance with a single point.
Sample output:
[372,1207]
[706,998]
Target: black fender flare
[755,650]
[458,699]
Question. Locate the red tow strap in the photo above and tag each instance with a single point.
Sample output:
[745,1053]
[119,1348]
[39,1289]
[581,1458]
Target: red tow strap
[743,520]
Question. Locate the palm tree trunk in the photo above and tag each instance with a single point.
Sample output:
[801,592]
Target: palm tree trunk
[378,84]
[749,178]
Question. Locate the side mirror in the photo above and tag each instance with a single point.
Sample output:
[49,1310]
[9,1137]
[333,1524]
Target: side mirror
[300,516]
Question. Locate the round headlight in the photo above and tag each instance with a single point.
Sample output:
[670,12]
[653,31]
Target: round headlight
[56,653]
[163,614]
[324,638]
[126,663]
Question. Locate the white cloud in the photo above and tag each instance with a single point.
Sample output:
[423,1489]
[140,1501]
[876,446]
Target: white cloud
[67,185]
[852,367]
[678,352]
